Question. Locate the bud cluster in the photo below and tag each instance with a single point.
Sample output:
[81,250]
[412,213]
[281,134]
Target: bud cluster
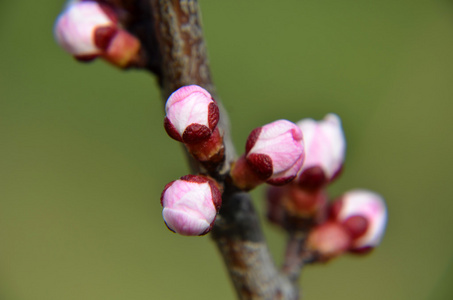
[298,160]
[89,29]
[190,204]
[354,223]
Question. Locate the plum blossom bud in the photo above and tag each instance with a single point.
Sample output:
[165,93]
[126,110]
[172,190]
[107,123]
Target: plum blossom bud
[364,214]
[75,29]
[275,152]
[324,150]
[190,205]
[88,29]
[329,240]
[191,114]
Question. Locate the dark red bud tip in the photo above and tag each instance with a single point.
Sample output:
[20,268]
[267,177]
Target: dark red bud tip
[86,58]
[356,226]
[216,195]
[213,115]
[281,181]
[103,35]
[195,178]
[261,164]
[312,178]
[362,251]
[196,133]
[251,140]
[163,192]
[171,130]
[334,209]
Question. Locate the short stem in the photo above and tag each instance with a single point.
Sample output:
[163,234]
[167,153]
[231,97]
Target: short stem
[241,242]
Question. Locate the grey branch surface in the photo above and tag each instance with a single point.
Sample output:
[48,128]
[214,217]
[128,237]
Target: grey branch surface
[175,51]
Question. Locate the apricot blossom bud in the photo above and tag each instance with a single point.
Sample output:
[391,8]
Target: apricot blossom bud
[190,205]
[324,150]
[275,152]
[364,215]
[191,115]
[88,29]
[75,29]
[329,240]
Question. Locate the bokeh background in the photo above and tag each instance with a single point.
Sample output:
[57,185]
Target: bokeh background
[84,157]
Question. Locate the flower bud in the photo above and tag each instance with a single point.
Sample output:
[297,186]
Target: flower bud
[309,206]
[329,240]
[75,29]
[191,115]
[324,150]
[88,29]
[275,152]
[364,215]
[190,205]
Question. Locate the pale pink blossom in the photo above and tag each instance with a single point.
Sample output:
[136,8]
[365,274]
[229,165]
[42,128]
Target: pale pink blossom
[276,151]
[75,28]
[324,149]
[364,213]
[191,114]
[190,205]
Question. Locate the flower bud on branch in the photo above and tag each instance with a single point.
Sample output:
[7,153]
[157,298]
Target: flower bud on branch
[329,240]
[324,151]
[364,215]
[191,118]
[274,153]
[190,205]
[88,29]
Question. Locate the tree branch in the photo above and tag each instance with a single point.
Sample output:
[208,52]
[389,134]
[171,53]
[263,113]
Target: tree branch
[177,55]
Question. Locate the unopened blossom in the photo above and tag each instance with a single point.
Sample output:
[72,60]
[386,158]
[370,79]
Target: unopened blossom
[329,240]
[324,150]
[190,205]
[88,29]
[364,214]
[191,114]
[275,152]
[76,27]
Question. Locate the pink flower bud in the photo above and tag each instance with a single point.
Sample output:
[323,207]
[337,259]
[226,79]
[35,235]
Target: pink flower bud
[364,214]
[190,205]
[88,29]
[275,152]
[191,115]
[75,29]
[324,150]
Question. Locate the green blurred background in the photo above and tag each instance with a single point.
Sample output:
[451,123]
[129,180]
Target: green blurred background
[84,156]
